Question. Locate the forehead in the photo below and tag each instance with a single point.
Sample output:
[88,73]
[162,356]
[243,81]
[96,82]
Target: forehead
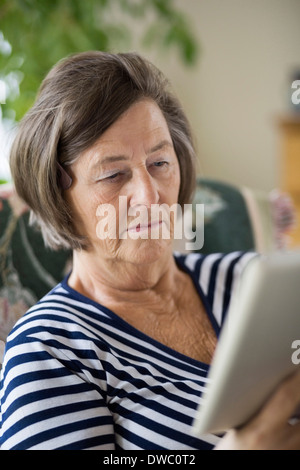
[142,115]
[142,126]
[142,123]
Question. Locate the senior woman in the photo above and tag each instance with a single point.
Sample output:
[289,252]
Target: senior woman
[116,356]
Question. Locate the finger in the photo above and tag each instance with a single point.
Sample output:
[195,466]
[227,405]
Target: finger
[288,438]
[294,437]
[284,401]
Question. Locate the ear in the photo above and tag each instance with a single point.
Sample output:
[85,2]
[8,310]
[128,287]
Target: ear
[64,179]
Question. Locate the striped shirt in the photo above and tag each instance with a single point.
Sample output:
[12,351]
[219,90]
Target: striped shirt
[77,376]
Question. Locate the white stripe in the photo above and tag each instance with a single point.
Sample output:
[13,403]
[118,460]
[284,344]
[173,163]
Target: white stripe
[220,284]
[48,404]
[206,269]
[191,260]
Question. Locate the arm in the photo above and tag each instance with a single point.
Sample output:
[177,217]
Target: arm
[49,402]
[270,429]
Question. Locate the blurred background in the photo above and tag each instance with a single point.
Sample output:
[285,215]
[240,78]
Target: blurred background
[231,62]
[235,66]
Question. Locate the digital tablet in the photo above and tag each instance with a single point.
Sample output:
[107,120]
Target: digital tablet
[259,343]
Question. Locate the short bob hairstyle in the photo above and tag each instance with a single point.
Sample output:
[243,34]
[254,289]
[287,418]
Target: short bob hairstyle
[81,97]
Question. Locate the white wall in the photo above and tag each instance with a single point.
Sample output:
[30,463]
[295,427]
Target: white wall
[240,85]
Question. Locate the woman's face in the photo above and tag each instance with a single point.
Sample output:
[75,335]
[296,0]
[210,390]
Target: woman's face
[123,185]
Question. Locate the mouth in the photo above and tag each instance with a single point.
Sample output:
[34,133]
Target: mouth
[143,227]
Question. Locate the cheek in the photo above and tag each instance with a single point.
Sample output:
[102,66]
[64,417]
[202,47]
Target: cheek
[109,193]
[178,180]
[83,207]
[171,189]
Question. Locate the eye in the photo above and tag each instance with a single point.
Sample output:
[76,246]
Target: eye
[162,163]
[159,168]
[111,178]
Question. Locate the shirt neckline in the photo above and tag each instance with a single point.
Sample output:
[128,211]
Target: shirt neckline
[179,259]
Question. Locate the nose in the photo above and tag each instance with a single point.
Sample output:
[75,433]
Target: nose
[143,190]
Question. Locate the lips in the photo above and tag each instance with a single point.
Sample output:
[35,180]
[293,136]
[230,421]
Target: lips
[141,227]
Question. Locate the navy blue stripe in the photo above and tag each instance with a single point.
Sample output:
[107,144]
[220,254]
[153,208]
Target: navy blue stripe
[228,285]
[54,412]
[157,427]
[89,443]
[139,384]
[136,439]
[212,280]
[60,431]
[208,303]
[155,405]
[39,395]
[26,378]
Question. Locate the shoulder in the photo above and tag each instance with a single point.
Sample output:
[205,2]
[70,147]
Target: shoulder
[216,276]
[59,308]
[209,265]
[55,338]
[55,327]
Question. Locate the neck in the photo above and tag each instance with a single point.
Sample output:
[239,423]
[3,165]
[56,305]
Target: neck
[106,280]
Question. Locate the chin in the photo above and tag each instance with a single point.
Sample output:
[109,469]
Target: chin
[146,251]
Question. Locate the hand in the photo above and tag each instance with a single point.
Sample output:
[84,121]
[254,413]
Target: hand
[270,428]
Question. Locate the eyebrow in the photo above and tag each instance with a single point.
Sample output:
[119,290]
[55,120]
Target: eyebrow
[160,145]
[112,158]
[117,158]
